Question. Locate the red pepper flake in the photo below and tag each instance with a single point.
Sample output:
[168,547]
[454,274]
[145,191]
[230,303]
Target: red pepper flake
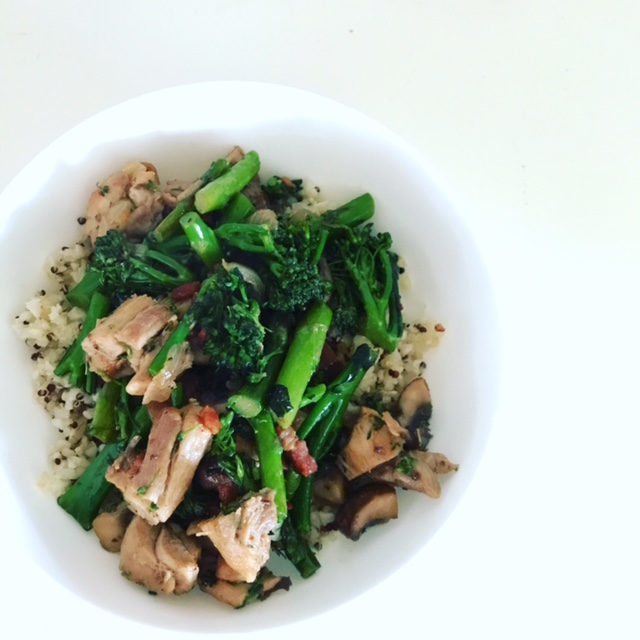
[210,419]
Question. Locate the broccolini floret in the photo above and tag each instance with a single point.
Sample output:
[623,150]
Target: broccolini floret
[289,256]
[121,268]
[366,295]
[225,321]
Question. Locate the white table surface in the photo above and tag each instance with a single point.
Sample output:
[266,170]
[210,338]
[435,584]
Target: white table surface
[530,112]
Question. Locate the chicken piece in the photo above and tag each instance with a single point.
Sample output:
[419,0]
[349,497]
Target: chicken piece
[128,200]
[160,387]
[110,526]
[159,557]
[155,485]
[119,340]
[180,554]
[242,537]
[375,439]
[417,471]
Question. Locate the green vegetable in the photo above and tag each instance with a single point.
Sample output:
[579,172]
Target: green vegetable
[238,209]
[288,260]
[217,193]
[171,224]
[300,363]
[270,457]
[228,321]
[202,239]
[121,268]
[365,285]
[83,499]
[109,417]
[297,550]
[323,424]
[250,400]
[73,364]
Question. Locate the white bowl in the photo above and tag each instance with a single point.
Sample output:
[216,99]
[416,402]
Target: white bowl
[298,134]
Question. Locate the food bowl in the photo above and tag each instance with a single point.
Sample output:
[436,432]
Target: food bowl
[298,134]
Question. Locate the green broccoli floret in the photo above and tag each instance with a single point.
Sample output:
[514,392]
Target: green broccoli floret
[229,321]
[289,257]
[121,268]
[226,321]
[365,293]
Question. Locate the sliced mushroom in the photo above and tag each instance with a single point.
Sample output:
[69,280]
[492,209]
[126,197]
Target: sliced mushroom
[371,504]
[416,471]
[330,488]
[240,594]
[110,526]
[415,409]
[375,439]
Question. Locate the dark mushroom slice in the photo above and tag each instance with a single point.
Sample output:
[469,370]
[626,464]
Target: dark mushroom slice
[416,471]
[330,487]
[371,504]
[240,594]
[415,407]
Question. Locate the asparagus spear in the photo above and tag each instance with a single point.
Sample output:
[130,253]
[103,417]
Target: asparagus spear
[171,224]
[270,457]
[217,193]
[300,363]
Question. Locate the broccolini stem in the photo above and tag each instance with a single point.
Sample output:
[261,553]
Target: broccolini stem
[297,550]
[179,335]
[217,193]
[352,213]
[238,209]
[322,426]
[73,363]
[300,363]
[80,295]
[171,224]
[270,457]
[104,425]
[83,499]
[202,238]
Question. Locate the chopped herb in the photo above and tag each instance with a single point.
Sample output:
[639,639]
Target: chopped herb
[407,465]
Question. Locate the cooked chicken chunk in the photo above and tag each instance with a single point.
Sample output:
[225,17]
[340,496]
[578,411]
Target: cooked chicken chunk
[154,485]
[375,439]
[118,342]
[159,557]
[159,387]
[242,537]
[127,200]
